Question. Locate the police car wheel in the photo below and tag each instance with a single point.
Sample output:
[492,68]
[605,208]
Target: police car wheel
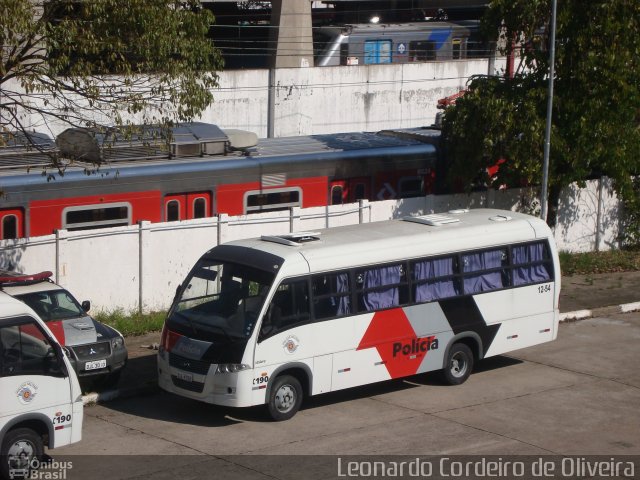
[458,365]
[19,448]
[285,398]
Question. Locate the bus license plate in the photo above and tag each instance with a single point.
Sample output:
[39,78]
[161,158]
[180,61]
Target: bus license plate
[187,377]
[95,365]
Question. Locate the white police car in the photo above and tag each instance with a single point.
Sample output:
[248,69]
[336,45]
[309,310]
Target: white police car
[95,350]
[40,397]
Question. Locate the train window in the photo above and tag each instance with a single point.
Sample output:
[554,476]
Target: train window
[410,187]
[173,210]
[377,51]
[199,207]
[360,191]
[456,46]
[9,227]
[96,216]
[336,195]
[421,51]
[271,200]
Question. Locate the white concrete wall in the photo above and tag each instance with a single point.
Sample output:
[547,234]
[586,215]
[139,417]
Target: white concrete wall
[106,266]
[339,99]
[324,99]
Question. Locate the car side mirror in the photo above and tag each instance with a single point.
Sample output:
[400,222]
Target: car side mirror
[86,305]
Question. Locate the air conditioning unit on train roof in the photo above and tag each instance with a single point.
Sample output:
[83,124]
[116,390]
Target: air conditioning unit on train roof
[241,139]
[198,138]
[148,142]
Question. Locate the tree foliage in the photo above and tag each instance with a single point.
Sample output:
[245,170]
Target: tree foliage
[100,63]
[596,106]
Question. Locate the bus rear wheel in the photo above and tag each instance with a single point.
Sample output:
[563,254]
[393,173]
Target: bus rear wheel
[19,448]
[285,398]
[458,365]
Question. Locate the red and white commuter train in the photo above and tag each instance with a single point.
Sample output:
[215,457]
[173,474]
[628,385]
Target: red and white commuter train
[203,172]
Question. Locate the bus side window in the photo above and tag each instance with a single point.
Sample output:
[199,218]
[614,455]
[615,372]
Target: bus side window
[531,264]
[331,295]
[434,279]
[489,267]
[25,350]
[381,287]
[289,307]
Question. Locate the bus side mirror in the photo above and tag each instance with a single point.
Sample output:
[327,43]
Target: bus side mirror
[86,305]
[53,364]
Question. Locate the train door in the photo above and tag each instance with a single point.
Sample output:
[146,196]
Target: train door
[187,206]
[377,51]
[11,223]
[349,190]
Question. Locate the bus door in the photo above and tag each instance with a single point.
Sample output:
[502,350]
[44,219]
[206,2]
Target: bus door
[285,334]
[187,206]
[33,370]
[349,190]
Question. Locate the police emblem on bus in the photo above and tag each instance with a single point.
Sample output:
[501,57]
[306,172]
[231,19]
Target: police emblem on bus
[291,344]
[27,392]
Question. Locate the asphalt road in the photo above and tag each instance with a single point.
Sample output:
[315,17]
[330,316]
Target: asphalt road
[579,395]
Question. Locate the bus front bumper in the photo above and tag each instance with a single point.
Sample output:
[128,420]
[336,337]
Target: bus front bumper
[228,389]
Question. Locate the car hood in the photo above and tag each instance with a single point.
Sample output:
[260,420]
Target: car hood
[75,331]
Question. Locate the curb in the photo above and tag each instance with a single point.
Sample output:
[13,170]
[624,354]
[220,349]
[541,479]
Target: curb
[582,314]
[109,395]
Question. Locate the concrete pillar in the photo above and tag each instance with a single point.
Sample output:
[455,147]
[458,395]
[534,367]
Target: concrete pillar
[291,34]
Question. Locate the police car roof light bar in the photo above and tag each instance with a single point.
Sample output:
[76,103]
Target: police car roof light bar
[7,277]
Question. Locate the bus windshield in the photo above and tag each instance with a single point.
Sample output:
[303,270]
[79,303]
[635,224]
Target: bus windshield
[222,298]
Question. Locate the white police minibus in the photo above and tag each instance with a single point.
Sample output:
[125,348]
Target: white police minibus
[40,397]
[271,319]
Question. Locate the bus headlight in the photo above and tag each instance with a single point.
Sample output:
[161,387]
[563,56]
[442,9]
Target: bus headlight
[231,367]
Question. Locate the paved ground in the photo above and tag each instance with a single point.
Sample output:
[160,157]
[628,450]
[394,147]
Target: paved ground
[578,395]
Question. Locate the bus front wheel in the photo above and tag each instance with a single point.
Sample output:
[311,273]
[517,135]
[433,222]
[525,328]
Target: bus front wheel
[458,365]
[20,448]
[285,398]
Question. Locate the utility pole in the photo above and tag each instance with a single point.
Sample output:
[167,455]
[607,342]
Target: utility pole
[547,135]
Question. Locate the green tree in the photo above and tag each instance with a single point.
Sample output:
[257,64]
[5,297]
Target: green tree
[596,110]
[103,63]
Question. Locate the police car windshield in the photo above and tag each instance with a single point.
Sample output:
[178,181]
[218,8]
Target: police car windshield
[223,297]
[53,305]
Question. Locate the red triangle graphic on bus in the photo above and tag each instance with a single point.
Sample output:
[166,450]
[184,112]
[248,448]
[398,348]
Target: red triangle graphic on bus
[391,333]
